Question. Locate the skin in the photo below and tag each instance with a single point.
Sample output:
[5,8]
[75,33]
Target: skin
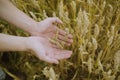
[45,28]
[40,32]
[41,47]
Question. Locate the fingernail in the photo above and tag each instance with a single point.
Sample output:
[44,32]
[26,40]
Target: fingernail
[71,36]
[68,44]
[70,41]
[56,62]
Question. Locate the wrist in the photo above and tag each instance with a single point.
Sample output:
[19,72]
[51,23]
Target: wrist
[36,29]
[33,28]
[16,43]
[23,44]
[29,42]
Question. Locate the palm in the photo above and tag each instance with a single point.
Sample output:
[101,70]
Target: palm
[50,30]
[46,51]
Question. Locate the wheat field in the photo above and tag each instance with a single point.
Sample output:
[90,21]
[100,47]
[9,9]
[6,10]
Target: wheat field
[95,26]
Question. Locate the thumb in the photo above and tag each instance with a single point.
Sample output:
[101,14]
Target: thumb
[42,56]
[45,58]
[55,20]
[51,60]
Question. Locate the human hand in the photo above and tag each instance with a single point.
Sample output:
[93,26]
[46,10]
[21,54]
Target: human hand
[47,51]
[48,28]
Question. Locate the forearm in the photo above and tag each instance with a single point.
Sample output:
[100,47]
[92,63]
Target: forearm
[16,17]
[12,43]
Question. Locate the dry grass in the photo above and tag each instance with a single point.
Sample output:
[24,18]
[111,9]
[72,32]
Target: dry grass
[95,25]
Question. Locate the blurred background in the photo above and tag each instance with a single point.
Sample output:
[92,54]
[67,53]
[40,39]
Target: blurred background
[95,26]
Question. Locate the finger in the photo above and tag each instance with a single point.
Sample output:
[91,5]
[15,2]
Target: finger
[63,43]
[59,44]
[48,59]
[55,43]
[41,54]
[51,60]
[63,33]
[70,36]
[56,20]
[63,54]
[55,46]
[65,39]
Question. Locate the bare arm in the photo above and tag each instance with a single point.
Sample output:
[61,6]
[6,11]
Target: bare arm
[12,43]
[46,28]
[13,15]
[41,47]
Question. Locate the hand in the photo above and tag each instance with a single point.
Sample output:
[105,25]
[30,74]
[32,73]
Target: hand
[47,28]
[47,51]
